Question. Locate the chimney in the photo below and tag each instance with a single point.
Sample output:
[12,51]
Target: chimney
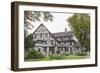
[65,29]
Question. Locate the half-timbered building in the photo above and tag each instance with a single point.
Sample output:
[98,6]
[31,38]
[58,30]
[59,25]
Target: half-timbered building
[55,43]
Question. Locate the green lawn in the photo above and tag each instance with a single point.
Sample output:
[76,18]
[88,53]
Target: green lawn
[59,57]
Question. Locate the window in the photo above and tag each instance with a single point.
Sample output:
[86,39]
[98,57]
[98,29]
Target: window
[45,49]
[62,49]
[39,42]
[40,35]
[59,48]
[69,37]
[39,50]
[51,42]
[66,49]
[46,34]
[59,43]
[70,43]
[35,36]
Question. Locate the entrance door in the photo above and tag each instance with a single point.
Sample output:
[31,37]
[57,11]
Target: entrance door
[58,51]
[45,50]
[71,50]
[51,50]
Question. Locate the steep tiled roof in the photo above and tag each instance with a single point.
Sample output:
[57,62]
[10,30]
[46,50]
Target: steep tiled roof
[60,34]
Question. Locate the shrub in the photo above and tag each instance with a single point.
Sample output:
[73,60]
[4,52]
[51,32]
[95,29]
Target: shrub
[81,54]
[57,57]
[66,54]
[33,54]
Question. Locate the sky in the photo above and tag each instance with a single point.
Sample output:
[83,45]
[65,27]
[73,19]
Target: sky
[58,24]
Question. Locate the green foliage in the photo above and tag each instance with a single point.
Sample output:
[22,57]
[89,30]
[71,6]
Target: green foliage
[33,54]
[29,42]
[34,16]
[47,16]
[57,57]
[81,54]
[80,26]
[66,54]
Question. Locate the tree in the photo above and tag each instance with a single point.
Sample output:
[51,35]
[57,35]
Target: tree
[34,16]
[29,42]
[30,52]
[80,26]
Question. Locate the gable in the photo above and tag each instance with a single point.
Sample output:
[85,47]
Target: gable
[43,33]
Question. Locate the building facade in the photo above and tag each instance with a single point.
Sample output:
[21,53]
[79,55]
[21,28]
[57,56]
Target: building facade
[55,43]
